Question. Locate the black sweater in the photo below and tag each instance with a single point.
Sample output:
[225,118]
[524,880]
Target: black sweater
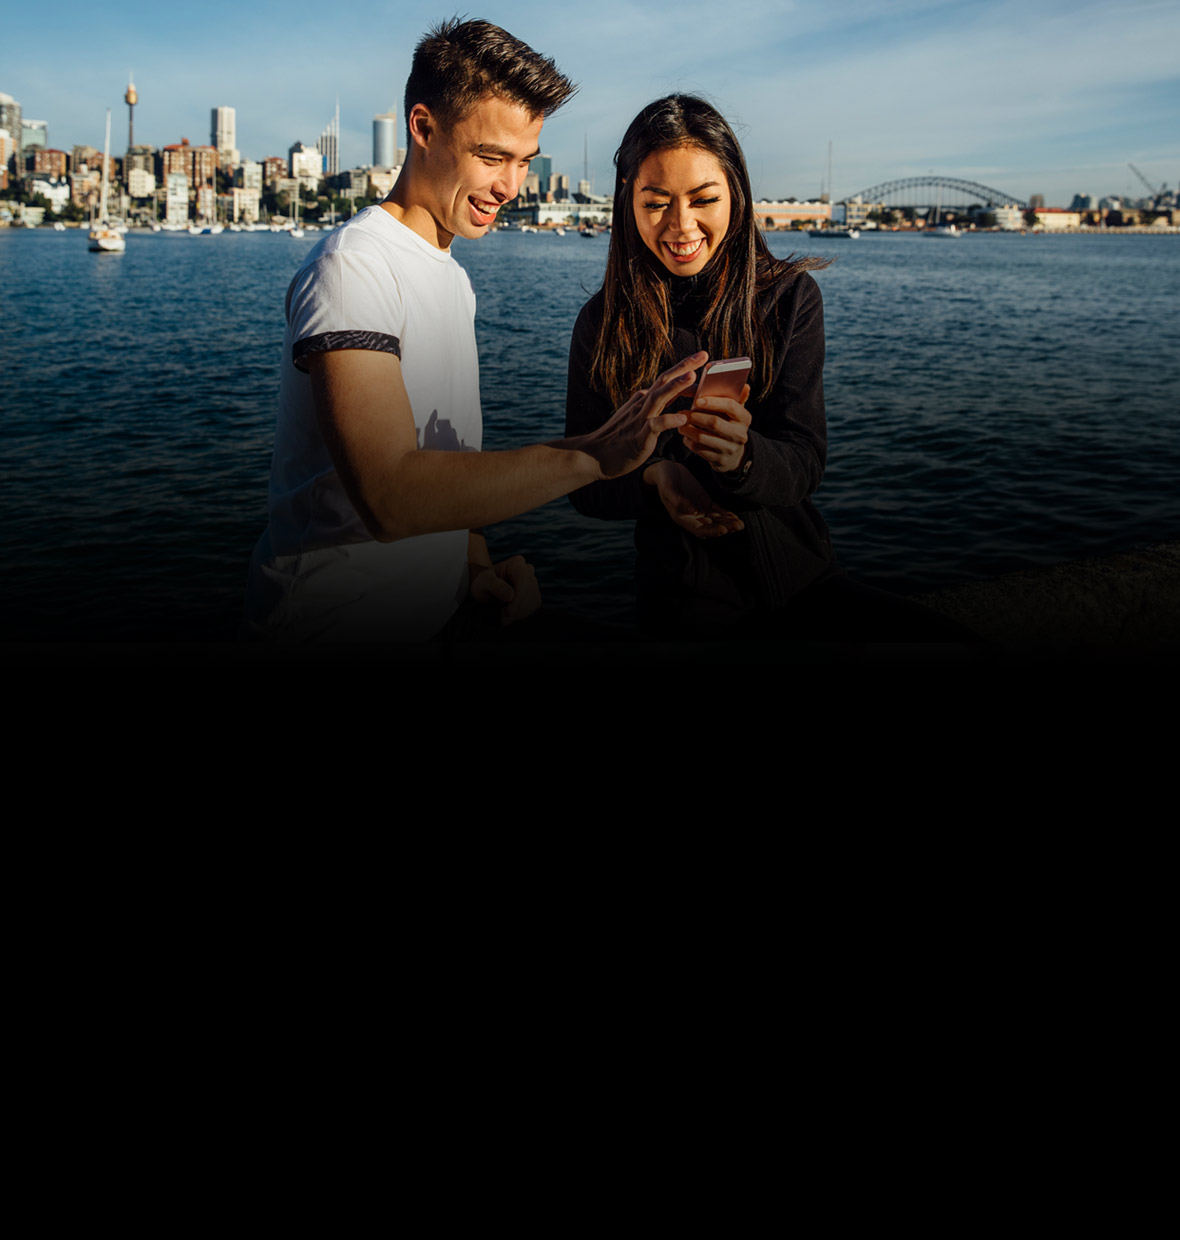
[702,584]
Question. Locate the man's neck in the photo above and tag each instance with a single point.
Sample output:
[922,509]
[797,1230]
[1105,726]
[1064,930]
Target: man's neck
[404,205]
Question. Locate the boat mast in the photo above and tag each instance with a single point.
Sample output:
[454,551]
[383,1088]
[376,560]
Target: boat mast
[106,155]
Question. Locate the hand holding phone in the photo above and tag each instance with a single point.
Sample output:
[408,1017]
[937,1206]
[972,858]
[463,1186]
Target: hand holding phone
[719,437]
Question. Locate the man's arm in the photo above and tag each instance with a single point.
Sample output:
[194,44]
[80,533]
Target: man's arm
[399,490]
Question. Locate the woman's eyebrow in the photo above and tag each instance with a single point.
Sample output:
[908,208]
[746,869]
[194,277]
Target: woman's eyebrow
[656,189]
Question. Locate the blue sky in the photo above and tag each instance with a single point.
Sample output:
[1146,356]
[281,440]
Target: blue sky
[1029,96]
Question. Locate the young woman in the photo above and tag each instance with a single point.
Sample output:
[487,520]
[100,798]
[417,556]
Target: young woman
[728,540]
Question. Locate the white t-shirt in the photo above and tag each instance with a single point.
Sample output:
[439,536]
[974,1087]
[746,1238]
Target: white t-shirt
[317,574]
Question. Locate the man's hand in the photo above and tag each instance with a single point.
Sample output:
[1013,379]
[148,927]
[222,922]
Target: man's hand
[688,503]
[629,436]
[717,431]
[512,584]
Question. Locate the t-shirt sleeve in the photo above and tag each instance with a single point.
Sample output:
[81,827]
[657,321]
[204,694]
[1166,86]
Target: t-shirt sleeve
[344,301]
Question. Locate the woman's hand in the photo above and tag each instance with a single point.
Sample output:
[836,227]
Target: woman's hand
[688,503]
[717,430]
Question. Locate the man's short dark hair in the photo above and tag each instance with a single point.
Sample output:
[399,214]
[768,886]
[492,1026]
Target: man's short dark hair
[457,63]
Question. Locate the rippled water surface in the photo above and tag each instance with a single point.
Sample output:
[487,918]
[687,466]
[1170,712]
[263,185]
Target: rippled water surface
[993,403]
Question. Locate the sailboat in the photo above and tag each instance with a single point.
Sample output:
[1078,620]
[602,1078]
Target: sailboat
[103,238]
[829,231]
[215,227]
[938,229]
[296,232]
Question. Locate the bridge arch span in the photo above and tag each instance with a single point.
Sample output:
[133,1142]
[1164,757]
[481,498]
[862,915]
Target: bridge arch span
[937,189]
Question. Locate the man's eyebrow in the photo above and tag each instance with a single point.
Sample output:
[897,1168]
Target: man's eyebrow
[657,189]
[485,150]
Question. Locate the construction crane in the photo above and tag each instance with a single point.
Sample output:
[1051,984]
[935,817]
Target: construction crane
[1155,193]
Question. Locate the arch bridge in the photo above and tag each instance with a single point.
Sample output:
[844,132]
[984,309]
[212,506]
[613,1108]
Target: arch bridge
[929,191]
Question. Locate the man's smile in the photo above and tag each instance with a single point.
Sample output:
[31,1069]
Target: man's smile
[484,206]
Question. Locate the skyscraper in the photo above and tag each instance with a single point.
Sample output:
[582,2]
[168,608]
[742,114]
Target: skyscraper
[32,134]
[385,139]
[224,136]
[10,119]
[328,144]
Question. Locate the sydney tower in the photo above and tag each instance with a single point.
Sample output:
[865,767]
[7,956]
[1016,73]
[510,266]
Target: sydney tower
[130,99]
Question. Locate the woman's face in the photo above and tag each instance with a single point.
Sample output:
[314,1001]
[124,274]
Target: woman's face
[681,202]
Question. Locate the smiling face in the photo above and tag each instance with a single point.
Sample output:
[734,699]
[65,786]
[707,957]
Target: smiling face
[681,202]
[474,167]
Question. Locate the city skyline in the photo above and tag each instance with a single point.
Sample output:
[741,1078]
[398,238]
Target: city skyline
[1043,97]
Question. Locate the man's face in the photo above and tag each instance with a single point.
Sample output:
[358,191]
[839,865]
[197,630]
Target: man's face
[478,165]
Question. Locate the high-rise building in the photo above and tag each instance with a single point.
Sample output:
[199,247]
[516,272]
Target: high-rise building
[223,136]
[542,165]
[205,166]
[142,156]
[10,119]
[197,163]
[177,158]
[307,164]
[385,139]
[32,134]
[249,175]
[328,144]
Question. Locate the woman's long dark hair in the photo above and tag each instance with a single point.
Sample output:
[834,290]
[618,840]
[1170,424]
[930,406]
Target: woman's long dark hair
[635,340]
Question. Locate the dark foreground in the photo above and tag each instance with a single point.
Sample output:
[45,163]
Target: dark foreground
[1118,609]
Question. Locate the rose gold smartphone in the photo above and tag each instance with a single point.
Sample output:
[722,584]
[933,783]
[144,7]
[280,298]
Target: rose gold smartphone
[724,378]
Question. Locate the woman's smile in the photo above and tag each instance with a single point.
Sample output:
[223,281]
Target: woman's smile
[685,251]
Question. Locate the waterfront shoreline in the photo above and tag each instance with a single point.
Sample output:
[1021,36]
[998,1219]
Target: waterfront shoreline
[1136,230]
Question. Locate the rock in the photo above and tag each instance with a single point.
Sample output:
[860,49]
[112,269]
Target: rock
[1131,599]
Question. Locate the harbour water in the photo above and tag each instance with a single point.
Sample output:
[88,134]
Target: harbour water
[994,403]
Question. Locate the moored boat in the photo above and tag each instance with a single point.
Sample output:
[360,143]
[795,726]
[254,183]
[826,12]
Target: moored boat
[104,239]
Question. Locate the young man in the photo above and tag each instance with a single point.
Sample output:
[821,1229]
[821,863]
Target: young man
[378,482]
